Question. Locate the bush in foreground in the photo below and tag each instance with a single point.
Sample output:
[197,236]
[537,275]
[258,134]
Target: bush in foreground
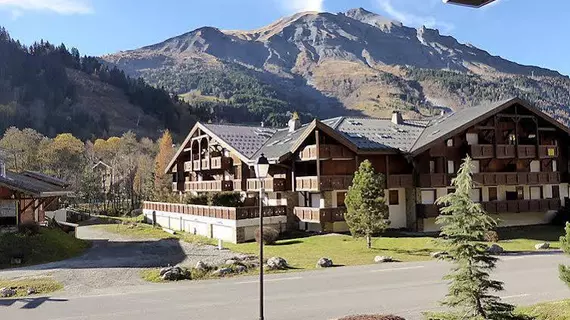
[372,317]
[270,235]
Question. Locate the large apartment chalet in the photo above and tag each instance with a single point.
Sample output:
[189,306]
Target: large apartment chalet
[520,157]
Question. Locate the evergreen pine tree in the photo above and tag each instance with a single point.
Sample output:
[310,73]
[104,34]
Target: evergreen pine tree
[463,225]
[565,245]
[367,212]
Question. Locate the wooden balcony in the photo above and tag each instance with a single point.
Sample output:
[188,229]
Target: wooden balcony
[230,213]
[442,150]
[482,151]
[327,151]
[237,185]
[188,166]
[400,181]
[205,164]
[196,165]
[545,152]
[516,178]
[425,211]
[431,180]
[328,183]
[505,151]
[269,184]
[526,152]
[320,215]
[210,186]
[517,206]
[221,163]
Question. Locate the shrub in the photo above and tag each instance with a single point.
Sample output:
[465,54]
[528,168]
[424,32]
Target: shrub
[372,317]
[202,199]
[270,235]
[491,236]
[29,228]
[227,199]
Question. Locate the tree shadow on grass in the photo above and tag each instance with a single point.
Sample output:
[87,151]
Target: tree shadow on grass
[29,303]
[286,243]
[415,252]
[537,233]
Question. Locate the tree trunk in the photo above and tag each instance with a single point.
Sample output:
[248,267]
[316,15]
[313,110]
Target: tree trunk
[368,241]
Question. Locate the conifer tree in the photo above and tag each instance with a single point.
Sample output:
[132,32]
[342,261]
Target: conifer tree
[367,212]
[463,226]
[565,245]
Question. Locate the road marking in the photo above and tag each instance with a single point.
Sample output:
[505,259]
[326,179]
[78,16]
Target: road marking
[398,269]
[270,280]
[517,296]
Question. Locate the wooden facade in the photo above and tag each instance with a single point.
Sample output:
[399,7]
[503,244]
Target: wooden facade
[520,161]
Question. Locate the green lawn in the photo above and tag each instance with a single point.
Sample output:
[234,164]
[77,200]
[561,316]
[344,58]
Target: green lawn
[41,285]
[303,252]
[47,246]
[558,310]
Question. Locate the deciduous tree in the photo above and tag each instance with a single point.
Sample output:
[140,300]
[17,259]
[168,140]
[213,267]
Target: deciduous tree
[565,245]
[463,226]
[162,181]
[367,212]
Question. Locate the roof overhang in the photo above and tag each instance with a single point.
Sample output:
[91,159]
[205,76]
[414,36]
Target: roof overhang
[492,112]
[470,3]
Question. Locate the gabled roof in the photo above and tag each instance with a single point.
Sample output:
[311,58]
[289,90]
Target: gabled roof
[358,134]
[35,184]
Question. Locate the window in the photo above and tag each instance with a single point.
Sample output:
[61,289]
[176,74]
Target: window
[554,166]
[511,195]
[428,196]
[278,195]
[476,166]
[450,142]
[555,192]
[535,193]
[340,196]
[450,166]
[432,166]
[520,193]
[476,195]
[535,166]
[472,138]
[394,197]
[492,193]
[512,139]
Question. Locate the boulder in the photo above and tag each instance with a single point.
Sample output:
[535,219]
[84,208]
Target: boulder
[240,268]
[495,249]
[277,263]
[202,266]
[164,270]
[232,262]
[222,272]
[324,263]
[7,292]
[438,254]
[31,291]
[175,274]
[542,246]
[382,259]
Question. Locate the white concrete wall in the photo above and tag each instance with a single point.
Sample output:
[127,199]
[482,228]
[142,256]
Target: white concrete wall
[397,212]
[223,229]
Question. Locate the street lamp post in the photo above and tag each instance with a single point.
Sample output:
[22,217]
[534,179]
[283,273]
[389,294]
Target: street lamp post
[261,170]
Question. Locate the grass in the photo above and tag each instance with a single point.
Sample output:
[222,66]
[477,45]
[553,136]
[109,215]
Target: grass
[41,285]
[47,246]
[344,250]
[558,310]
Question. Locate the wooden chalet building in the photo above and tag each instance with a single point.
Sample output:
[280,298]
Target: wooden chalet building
[520,163]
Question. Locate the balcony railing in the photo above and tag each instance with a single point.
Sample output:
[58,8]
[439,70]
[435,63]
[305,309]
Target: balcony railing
[516,178]
[547,151]
[221,163]
[526,152]
[400,181]
[320,214]
[505,151]
[515,206]
[327,151]
[205,164]
[216,212]
[237,185]
[328,183]
[269,184]
[188,166]
[431,180]
[210,185]
[196,165]
[482,151]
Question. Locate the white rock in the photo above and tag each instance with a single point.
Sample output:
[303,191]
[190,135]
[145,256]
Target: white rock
[7,292]
[277,263]
[222,272]
[202,266]
[542,246]
[438,254]
[382,259]
[324,263]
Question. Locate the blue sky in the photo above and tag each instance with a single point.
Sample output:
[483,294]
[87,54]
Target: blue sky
[526,31]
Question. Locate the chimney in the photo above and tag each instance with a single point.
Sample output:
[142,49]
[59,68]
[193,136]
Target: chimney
[442,112]
[294,123]
[397,117]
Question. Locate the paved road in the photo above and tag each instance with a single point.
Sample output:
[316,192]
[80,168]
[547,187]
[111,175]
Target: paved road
[405,289]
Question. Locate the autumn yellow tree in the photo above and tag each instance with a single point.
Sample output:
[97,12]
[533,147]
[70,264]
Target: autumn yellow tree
[162,181]
[64,156]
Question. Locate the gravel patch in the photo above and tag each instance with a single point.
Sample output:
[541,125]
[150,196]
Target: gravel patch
[115,261]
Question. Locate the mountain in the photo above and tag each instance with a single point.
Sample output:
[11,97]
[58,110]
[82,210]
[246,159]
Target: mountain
[327,64]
